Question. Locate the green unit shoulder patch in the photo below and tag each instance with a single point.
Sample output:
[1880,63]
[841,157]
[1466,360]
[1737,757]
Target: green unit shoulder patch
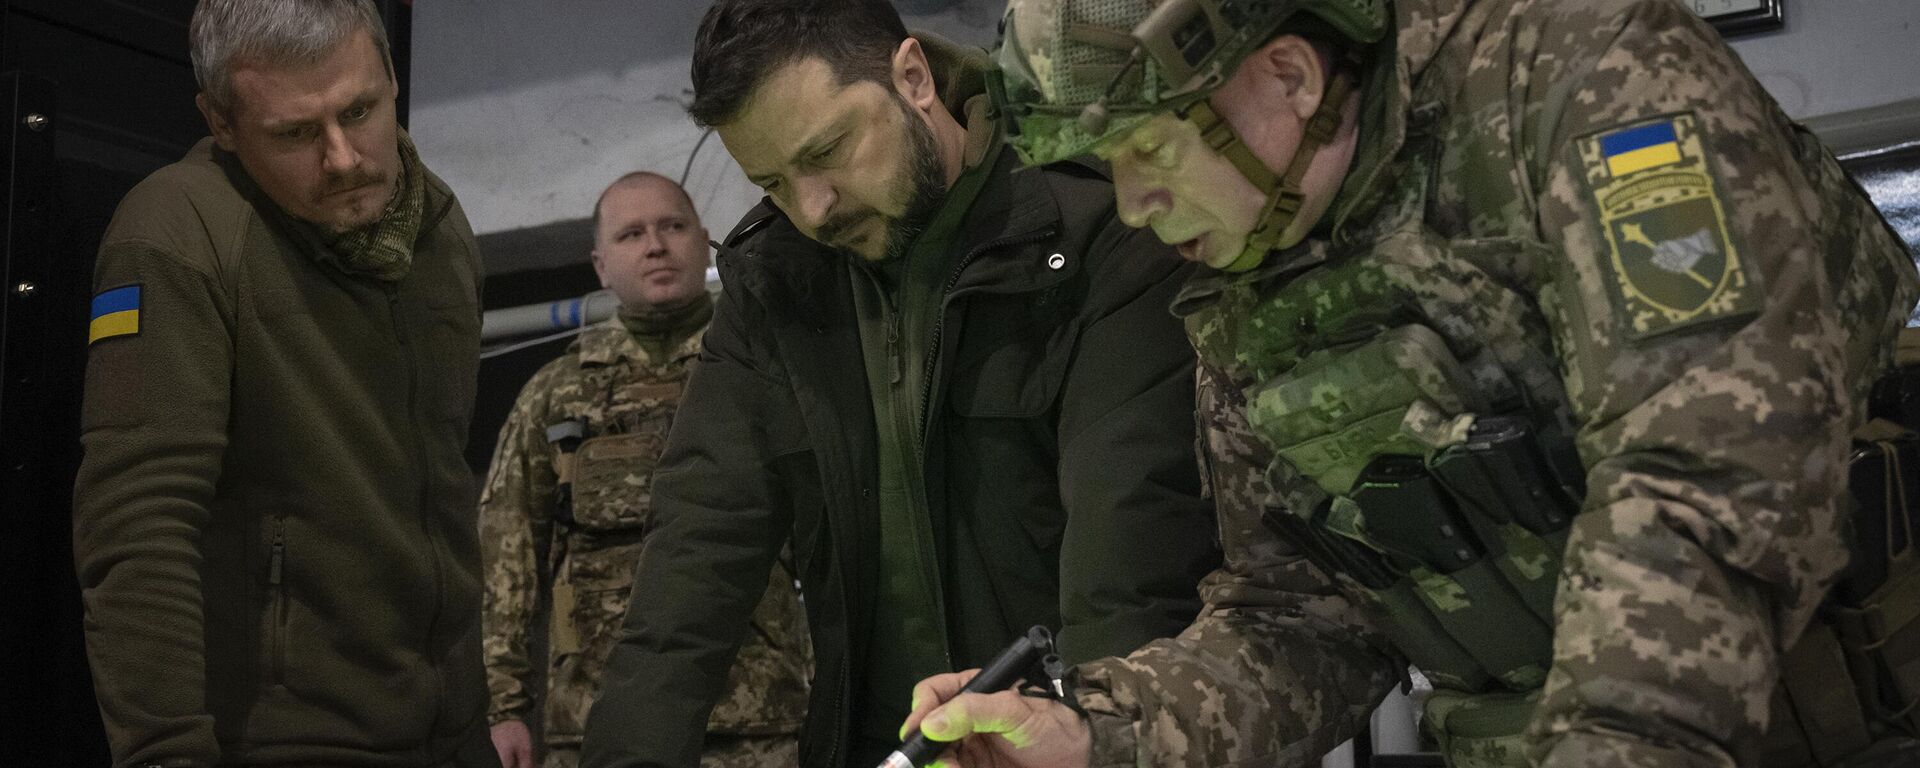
[1671,258]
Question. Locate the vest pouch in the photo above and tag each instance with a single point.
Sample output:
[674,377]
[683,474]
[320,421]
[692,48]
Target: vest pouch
[1876,606]
[1508,488]
[612,475]
[1454,570]
[1361,570]
[590,596]
[1816,715]
[1340,407]
[1882,640]
[1480,730]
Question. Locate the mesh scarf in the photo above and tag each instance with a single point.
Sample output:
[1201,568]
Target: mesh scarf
[384,249]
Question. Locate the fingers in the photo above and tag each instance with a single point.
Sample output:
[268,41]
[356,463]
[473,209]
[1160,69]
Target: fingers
[513,743]
[1004,713]
[933,692]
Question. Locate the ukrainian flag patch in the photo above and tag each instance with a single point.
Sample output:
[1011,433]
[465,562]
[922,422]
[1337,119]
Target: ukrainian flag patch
[1637,149]
[1672,257]
[116,312]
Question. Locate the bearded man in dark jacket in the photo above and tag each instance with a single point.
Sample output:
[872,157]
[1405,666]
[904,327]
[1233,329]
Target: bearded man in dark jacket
[957,388]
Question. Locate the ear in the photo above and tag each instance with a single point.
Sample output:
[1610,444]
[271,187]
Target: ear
[221,127]
[913,77]
[600,269]
[1290,70]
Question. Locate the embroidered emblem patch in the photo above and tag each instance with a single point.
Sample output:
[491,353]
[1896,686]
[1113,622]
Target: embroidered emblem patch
[1672,260]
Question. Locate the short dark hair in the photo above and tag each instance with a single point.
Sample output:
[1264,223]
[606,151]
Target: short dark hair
[742,41]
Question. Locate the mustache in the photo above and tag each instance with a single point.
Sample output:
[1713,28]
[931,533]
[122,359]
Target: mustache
[351,180]
[835,227]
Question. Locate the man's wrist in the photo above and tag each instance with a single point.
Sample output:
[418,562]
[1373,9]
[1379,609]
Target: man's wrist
[500,716]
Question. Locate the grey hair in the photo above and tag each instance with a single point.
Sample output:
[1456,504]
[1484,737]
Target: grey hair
[276,32]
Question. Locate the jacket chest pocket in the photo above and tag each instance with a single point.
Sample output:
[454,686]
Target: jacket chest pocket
[612,476]
[1015,372]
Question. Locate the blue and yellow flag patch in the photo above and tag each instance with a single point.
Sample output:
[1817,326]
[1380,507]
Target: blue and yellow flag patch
[1673,260]
[1637,149]
[116,312]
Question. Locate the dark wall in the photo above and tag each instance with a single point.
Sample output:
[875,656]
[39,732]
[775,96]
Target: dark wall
[113,92]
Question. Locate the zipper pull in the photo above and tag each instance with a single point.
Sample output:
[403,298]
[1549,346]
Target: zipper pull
[279,557]
[893,347]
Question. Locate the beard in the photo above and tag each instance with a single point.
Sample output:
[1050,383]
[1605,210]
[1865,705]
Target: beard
[922,184]
[358,217]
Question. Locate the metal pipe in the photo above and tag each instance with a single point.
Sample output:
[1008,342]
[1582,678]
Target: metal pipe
[552,316]
[565,314]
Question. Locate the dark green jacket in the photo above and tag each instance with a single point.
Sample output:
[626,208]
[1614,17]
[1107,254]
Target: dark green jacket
[273,525]
[1060,466]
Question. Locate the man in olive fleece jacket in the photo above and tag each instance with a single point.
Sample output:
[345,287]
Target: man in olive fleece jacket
[273,524]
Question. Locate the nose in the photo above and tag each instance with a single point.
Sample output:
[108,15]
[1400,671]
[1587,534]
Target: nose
[654,244]
[338,156]
[813,201]
[1137,194]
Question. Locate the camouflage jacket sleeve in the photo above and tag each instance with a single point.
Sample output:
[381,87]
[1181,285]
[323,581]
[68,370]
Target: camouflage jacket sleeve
[1714,437]
[516,522]
[1278,669]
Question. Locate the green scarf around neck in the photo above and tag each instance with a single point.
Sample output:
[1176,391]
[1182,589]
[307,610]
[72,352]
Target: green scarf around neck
[384,249]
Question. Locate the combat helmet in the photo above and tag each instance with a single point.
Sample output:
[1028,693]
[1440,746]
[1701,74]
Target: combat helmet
[1071,74]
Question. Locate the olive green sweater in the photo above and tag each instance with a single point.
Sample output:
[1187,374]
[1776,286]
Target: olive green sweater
[273,525]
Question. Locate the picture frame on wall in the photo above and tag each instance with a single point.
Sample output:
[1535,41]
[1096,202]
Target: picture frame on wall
[1740,17]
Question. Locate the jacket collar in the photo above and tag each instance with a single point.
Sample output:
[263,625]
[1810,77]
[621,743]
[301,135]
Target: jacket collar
[772,259]
[1393,73]
[608,342]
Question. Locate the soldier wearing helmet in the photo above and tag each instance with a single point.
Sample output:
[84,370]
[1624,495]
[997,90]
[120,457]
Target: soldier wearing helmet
[1533,340]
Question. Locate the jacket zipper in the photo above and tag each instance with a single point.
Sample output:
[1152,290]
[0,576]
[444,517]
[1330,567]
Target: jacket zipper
[840,712]
[420,471]
[276,564]
[940,322]
[894,362]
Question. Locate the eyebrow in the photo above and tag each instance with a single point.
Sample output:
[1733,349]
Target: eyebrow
[835,130]
[642,222]
[367,97]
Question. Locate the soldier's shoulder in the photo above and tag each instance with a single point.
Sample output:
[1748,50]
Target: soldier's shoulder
[555,377]
[759,221]
[1598,24]
[190,209]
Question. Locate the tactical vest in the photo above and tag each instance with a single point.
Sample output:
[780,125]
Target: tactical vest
[1425,456]
[604,454]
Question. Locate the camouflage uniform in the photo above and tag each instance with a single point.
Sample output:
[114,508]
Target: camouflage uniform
[1491,207]
[625,401]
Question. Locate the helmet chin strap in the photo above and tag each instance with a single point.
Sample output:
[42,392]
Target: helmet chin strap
[1284,195]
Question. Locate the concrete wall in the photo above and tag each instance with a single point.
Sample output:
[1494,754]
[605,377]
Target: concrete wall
[1839,56]
[529,108]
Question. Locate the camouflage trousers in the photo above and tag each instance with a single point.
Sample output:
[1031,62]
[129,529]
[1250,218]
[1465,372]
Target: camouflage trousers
[722,751]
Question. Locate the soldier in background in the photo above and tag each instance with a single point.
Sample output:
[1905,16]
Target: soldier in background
[1532,346]
[569,488]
